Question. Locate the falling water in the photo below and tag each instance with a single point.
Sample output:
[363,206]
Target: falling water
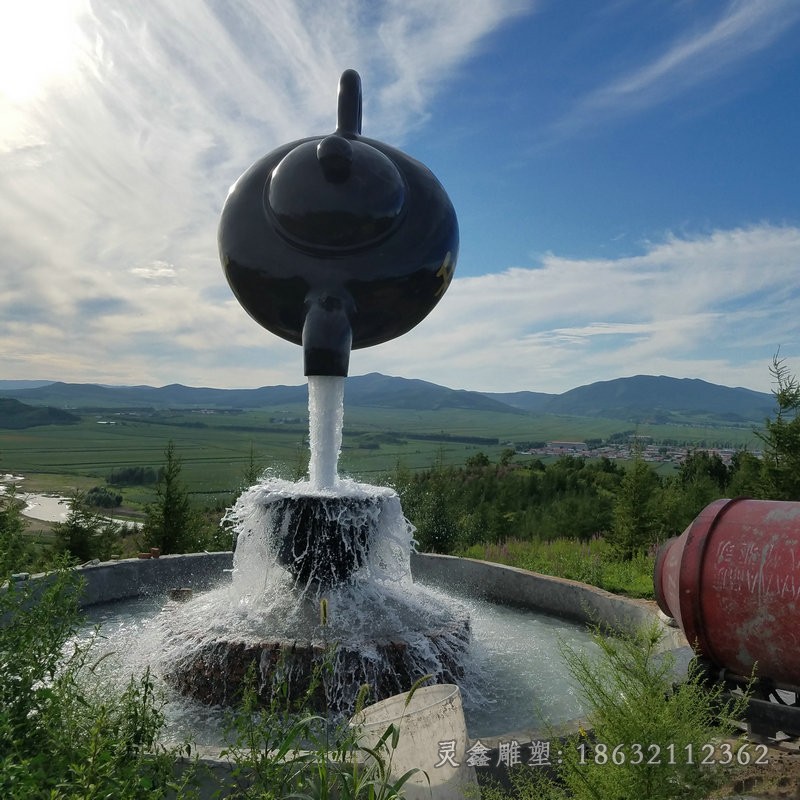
[325,416]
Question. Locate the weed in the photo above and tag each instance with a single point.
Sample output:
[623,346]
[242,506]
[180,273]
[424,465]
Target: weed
[649,733]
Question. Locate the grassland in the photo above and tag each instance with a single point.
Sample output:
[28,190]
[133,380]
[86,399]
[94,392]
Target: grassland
[215,447]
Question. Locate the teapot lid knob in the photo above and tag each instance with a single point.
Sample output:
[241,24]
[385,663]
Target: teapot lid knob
[335,155]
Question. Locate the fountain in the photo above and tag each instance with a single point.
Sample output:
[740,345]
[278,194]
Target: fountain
[336,243]
[333,243]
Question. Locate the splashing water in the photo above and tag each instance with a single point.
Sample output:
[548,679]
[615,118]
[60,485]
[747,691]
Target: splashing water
[387,631]
[262,533]
[297,544]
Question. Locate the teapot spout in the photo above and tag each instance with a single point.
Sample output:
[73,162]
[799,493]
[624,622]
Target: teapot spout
[327,335]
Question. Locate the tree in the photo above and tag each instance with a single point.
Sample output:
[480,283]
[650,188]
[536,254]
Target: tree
[437,526]
[781,437]
[103,497]
[700,466]
[253,470]
[478,461]
[506,456]
[85,535]
[634,526]
[170,522]
[13,549]
[746,473]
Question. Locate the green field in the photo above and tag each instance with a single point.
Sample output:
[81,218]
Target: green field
[215,447]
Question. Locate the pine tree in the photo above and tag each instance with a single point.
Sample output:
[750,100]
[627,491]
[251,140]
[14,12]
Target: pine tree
[781,438]
[634,526]
[13,549]
[170,522]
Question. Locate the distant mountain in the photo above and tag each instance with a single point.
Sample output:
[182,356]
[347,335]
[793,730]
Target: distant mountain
[637,399]
[13,385]
[15,415]
[90,395]
[374,390]
[382,391]
[657,398]
[525,401]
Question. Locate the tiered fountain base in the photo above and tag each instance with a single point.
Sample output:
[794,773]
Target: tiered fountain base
[328,677]
[321,603]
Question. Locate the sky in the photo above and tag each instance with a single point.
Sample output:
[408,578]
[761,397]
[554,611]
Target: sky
[626,175]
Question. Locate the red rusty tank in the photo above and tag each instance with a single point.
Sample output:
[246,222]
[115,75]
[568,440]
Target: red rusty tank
[731,580]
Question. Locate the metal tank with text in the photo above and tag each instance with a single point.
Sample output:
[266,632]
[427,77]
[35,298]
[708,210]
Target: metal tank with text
[731,581]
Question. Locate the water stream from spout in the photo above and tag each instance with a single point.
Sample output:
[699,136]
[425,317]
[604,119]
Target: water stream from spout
[325,418]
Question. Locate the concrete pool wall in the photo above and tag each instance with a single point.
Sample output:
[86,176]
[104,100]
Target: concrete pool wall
[125,579]
[110,581]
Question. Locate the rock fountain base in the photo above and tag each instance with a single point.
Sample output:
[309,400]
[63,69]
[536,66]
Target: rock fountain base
[216,671]
[321,602]
[322,540]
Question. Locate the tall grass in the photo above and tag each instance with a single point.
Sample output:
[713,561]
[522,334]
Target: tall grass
[591,562]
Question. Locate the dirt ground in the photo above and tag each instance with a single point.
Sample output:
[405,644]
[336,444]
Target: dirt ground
[777,780]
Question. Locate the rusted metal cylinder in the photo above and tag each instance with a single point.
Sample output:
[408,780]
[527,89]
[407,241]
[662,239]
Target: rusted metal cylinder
[731,581]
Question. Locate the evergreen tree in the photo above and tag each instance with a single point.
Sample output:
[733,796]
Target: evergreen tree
[85,535]
[635,525]
[252,472]
[170,522]
[746,473]
[13,549]
[701,467]
[781,465]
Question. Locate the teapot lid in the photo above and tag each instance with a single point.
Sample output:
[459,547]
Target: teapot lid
[337,193]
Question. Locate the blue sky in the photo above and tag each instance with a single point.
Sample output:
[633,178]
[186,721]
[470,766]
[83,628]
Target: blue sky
[625,172]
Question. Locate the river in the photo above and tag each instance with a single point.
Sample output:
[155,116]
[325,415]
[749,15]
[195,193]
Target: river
[45,507]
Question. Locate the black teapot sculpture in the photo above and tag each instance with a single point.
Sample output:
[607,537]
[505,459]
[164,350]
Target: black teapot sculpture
[338,242]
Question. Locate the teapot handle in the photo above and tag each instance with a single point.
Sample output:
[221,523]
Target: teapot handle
[348,122]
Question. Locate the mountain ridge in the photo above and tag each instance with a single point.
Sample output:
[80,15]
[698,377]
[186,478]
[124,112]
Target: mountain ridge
[634,398]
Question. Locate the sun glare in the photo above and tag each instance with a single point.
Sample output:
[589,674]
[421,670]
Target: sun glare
[38,45]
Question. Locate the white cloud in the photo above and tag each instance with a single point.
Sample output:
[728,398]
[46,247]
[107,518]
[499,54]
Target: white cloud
[714,306]
[114,169]
[112,178]
[697,57]
[157,271]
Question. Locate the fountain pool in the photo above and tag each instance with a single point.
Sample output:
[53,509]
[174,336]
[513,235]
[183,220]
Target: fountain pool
[514,678]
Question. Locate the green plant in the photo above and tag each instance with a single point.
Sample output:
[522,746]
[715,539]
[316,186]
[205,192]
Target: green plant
[637,706]
[63,734]
[13,549]
[592,561]
[285,752]
[650,732]
[781,437]
[170,522]
[84,534]
[634,523]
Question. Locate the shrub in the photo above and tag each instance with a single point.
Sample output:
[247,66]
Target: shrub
[13,548]
[84,534]
[101,497]
[649,734]
[62,736]
[593,562]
